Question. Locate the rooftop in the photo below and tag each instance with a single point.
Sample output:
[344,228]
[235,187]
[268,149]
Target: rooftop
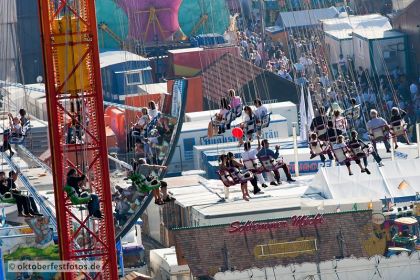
[206,198]
[115,57]
[228,71]
[306,17]
[356,22]
[375,33]
[340,34]
[153,88]
[187,50]
[343,27]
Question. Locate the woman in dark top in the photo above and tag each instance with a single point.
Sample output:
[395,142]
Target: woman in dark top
[230,163]
[397,119]
[80,195]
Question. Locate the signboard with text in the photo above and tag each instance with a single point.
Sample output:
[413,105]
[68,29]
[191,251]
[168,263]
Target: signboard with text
[295,221]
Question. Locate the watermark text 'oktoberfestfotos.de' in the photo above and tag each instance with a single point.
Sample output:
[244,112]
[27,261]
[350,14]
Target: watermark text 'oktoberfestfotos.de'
[54,266]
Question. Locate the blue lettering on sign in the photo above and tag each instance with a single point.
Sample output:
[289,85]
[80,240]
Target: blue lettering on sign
[270,134]
[311,166]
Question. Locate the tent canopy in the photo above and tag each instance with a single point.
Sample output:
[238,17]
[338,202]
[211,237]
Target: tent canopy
[305,18]
[395,179]
[350,23]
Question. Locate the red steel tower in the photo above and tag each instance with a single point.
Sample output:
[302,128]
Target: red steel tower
[76,130]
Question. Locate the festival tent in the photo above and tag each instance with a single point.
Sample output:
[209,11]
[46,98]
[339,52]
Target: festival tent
[339,32]
[305,18]
[397,179]
[350,23]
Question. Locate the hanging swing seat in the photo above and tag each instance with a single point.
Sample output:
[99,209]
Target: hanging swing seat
[353,113]
[144,184]
[269,164]
[249,126]
[19,139]
[342,154]
[237,111]
[253,166]
[321,130]
[229,118]
[398,128]
[231,177]
[358,151]
[341,124]
[264,122]
[7,198]
[226,178]
[380,133]
[153,122]
[318,147]
[75,199]
[404,240]
[223,123]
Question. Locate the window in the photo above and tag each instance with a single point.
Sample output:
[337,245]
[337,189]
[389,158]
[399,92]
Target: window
[134,78]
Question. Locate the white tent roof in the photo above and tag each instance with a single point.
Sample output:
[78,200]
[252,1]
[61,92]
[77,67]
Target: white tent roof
[356,22]
[114,57]
[306,17]
[375,33]
[349,24]
[396,179]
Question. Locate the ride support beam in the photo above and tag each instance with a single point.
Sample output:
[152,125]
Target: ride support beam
[72,74]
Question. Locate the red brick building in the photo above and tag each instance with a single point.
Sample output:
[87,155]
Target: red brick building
[239,246]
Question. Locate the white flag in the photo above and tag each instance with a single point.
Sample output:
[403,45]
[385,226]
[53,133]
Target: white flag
[303,118]
[311,114]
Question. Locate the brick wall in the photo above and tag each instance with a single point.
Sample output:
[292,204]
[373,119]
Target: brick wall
[208,250]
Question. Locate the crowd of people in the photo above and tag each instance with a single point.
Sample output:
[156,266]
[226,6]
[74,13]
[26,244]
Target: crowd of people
[232,108]
[151,134]
[336,89]
[304,61]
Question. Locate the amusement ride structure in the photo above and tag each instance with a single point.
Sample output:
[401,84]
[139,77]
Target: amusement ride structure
[71,59]
[74,96]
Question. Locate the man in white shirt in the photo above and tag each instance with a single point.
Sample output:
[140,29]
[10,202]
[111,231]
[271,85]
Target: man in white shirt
[251,162]
[375,123]
[261,110]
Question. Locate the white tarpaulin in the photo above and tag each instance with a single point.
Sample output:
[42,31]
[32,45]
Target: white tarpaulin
[395,179]
[349,23]
[306,17]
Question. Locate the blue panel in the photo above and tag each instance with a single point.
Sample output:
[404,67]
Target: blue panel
[188,148]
